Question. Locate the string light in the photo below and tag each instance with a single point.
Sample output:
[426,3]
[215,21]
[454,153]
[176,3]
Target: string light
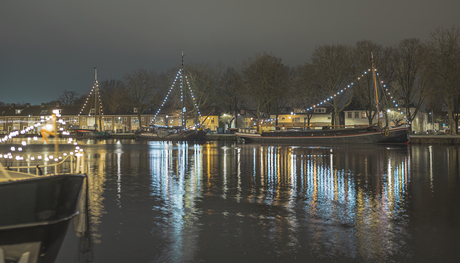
[350,86]
[181,86]
[19,157]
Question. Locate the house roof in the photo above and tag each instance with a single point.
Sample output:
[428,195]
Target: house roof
[37,110]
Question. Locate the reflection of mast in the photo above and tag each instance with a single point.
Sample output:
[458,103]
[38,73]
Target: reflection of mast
[376,94]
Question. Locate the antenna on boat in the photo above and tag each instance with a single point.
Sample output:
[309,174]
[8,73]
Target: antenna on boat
[182,67]
[376,93]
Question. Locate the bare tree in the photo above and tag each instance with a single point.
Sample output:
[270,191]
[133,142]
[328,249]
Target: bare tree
[306,90]
[410,80]
[68,97]
[113,94]
[443,67]
[142,91]
[267,79]
[203,80]
[333,70]
[230,91]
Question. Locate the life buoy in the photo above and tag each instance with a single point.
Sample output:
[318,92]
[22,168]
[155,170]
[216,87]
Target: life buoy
[387,131]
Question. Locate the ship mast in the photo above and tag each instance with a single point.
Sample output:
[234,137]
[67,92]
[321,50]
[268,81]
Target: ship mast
[376,93]
[182,93]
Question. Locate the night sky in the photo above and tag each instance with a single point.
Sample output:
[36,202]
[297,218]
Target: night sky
[47,47]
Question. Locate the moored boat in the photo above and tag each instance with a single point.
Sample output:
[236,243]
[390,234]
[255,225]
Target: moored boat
[170,135]
[329,136]
[180,132]
[36,206]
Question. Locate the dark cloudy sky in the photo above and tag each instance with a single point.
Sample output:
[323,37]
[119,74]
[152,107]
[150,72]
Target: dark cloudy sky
[47,47]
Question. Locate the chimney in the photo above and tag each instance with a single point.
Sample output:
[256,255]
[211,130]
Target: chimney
[27,105]
[13,105]
[43,104]
[58,104]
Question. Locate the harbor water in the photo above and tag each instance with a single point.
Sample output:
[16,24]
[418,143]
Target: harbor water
[230,202]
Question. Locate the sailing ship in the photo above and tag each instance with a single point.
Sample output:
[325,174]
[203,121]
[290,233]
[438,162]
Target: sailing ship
[176,133]
[36,208]
[370,134]
[332,135]
[95,115]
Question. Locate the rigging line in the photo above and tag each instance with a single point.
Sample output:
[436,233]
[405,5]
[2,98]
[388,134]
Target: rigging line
[166,98]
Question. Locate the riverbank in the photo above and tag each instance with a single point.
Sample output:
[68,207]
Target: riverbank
[413,139]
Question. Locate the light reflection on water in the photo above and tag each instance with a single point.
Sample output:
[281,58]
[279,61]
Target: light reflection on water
[217,201]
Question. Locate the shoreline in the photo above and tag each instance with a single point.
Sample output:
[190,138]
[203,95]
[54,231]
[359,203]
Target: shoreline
[413,139]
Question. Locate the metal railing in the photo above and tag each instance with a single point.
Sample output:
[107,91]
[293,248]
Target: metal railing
[77,165]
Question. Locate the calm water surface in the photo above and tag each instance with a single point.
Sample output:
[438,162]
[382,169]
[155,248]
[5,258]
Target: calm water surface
[228,202]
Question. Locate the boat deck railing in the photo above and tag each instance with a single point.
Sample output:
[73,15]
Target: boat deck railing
[70,164]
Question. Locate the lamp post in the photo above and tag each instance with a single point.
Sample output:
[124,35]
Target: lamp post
[432,122]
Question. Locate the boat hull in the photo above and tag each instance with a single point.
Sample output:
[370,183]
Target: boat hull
[166,136]
[330,136]
[33,244]
[39,200]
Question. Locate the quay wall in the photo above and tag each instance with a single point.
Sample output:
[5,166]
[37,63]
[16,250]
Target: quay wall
[221,137]
[434,139]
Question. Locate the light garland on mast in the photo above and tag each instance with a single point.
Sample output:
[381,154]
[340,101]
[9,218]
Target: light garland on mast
[166,98]
[193,97]
[89,96]
[181,84]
